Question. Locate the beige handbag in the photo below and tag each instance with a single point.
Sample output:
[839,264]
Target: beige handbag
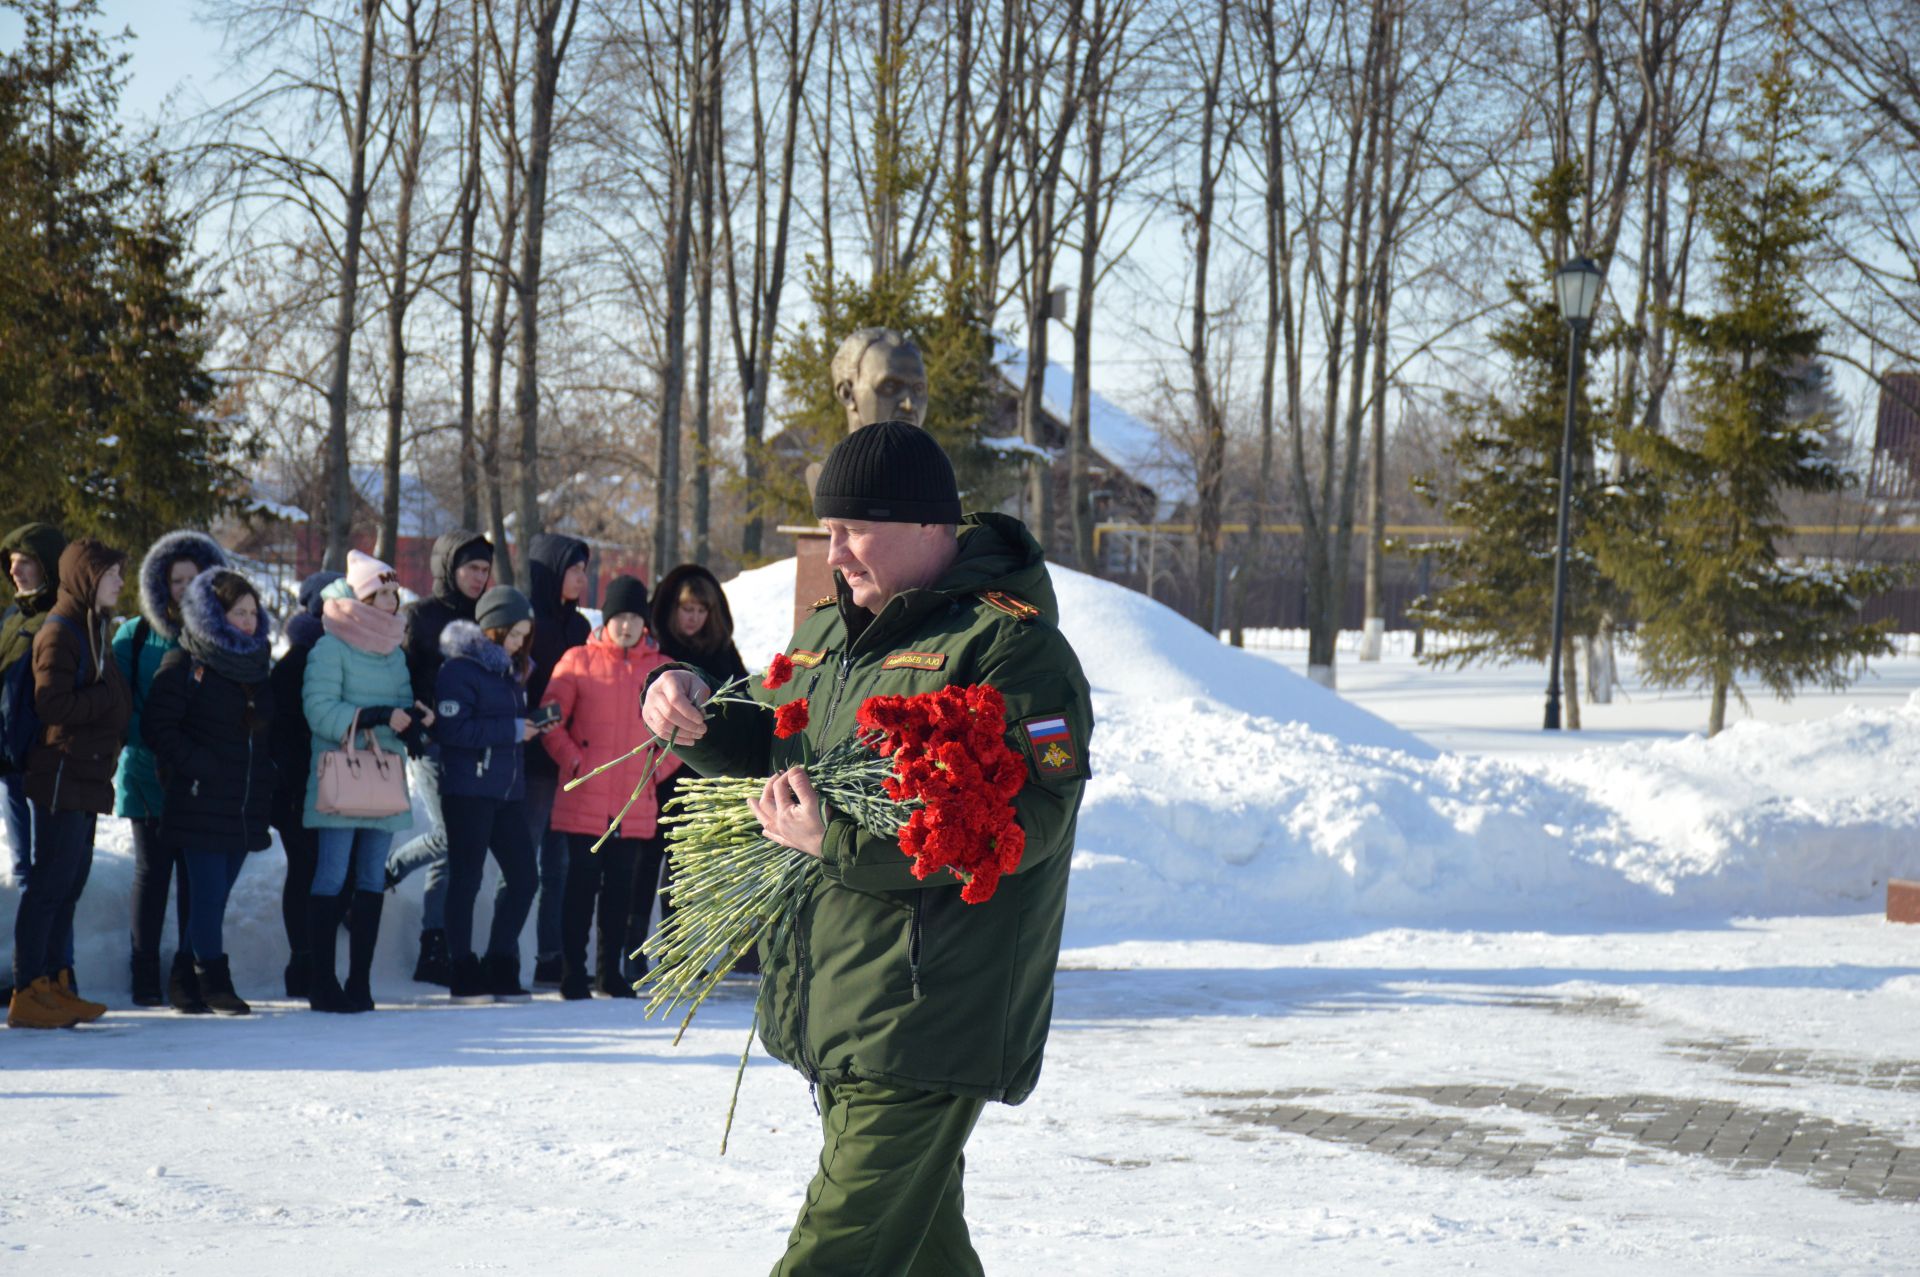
[360,784]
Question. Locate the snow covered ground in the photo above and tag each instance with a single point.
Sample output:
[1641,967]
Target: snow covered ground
[1352,981]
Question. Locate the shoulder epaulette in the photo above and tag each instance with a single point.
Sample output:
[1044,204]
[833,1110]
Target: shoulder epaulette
[1018,609]
[829,601]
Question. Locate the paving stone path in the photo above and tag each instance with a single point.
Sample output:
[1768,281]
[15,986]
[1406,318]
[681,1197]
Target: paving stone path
[1845,1157]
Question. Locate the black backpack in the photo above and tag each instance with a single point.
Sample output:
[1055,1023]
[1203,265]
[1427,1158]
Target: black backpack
[19,720]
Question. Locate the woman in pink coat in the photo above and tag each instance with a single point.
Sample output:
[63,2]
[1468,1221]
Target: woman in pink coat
[598,689]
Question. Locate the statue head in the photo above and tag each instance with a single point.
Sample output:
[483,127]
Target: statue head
[878,375]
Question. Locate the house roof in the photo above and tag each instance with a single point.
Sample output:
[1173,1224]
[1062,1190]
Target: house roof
[1116,434]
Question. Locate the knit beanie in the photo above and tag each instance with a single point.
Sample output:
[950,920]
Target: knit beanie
[624,594]
[889,472]
[502,608]
[366,575]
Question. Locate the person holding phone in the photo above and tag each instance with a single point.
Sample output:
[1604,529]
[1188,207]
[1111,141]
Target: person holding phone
[481,725]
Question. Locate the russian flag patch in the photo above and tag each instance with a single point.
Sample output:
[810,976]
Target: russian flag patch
[1055,755]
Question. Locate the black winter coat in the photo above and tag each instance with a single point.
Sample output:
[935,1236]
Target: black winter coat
[289,740]
[210,737]
[427,617]
[557,625]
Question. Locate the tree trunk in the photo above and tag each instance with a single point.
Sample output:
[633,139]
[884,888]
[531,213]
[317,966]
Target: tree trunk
[550,49]
[339,466]
[709,126]
[469,320]
[1570,685]
[666,492]
[400,292]
[1212,467]
[1717,715]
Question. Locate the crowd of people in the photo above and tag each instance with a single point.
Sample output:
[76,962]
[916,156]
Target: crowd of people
[459,718]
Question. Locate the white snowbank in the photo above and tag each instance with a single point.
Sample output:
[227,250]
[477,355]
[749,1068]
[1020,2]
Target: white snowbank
[1234,799]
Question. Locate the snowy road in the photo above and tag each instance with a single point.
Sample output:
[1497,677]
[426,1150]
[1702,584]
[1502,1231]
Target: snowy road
[573,1138]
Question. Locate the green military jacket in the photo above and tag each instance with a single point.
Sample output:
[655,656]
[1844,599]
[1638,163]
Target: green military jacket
[885,977]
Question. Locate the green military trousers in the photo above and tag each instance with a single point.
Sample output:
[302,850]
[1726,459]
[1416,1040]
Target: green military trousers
[886,1201]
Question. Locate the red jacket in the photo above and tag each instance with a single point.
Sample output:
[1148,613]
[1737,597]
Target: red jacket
[598,689]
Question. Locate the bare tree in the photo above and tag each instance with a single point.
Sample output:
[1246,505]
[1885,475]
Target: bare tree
[401,285]
[764,282]
[551,23]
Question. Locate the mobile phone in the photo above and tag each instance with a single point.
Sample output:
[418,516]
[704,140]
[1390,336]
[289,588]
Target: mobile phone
[545,715]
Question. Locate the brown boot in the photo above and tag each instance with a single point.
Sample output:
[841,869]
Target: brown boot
[40,1006]
[86,1011]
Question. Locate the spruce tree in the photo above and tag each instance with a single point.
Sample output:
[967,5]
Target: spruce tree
[1717,599]
[106,424]
[1504,487]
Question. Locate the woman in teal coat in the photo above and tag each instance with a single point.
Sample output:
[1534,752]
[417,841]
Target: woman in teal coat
[139,645]
[357,666]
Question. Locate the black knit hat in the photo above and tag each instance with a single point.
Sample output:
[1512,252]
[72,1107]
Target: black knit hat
[502,608]
[624,594]
[889,472]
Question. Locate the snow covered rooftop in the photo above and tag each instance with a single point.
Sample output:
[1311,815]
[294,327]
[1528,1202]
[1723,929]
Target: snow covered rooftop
[1117,434]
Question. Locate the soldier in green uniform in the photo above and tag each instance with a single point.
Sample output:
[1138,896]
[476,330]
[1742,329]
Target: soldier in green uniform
[907,1008]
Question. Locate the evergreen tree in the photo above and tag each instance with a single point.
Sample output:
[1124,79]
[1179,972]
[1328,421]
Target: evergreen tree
[106,427]
[1506,480]
[1717,599]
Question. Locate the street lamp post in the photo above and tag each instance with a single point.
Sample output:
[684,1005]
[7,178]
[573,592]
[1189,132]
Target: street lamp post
[1577,285]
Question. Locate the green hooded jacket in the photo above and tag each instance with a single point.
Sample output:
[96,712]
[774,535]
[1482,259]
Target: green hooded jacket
[22,618]
[884,977]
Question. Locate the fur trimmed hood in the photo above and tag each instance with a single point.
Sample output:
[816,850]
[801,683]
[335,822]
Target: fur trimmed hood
[155,599]
[204,619]
[464,638]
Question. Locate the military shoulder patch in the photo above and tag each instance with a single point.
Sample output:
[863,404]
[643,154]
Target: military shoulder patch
[1056,755]
[915,661]
[829,601]
[1018,609]
[806,659]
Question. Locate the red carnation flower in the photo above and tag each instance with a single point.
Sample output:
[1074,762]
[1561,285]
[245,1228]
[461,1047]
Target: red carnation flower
[778,673]
[790,719]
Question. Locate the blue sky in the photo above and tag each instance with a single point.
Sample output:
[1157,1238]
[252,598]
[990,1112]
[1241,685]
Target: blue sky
[171,52]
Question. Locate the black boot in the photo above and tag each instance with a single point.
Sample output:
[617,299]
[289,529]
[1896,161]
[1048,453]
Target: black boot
[216,986]
[503,978]
[323,927]
[183,987]
[573,981]
[146,981]
[548,972]
[468,982]
[299,967]
[363,932]
[434,967]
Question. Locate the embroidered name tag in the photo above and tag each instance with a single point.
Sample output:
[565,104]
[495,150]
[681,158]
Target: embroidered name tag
[806,659]
[915,661]
[1054,752]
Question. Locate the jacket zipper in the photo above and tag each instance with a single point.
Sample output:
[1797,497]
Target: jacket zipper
[246,790]
[799,938]
[914,936]
[59,771]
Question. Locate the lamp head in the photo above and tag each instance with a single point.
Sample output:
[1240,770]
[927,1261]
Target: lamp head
[1577,285]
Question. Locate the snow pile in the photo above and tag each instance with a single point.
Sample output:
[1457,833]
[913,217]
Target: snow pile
[1234,799]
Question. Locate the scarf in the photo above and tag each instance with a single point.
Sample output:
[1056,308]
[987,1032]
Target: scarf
[363,625]
[244,658]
